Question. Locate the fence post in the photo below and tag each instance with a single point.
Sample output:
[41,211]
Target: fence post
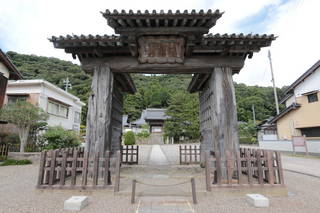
[137,154]
[180,154]
[270,167]
[193,188]
[207,167]
[133,193]
[106,175]
[74,167]
[63,168]
[117,173]
[52,166]
[41,168]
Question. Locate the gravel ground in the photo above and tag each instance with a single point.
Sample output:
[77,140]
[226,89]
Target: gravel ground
[18,194]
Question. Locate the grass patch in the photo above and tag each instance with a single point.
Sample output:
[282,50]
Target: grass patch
[10,162]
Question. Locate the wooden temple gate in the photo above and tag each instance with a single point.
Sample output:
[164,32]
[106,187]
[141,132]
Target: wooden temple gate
[165,43]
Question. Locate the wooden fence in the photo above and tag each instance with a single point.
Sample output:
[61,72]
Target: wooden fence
[189,154]
[130,154]
[4,149]
[72,169]
[250,167]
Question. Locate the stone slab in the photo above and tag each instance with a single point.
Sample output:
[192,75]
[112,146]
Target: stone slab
[257,200]
[76,203]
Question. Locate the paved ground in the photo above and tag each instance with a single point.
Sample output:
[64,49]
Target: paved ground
[18,193]
[305,165]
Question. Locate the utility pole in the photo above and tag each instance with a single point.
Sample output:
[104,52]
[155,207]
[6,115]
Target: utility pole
[274,85]
[254,115]
[67,84]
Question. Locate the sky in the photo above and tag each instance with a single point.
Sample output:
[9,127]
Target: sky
[26,25]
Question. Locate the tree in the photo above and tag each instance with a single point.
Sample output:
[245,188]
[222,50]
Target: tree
[23,115]
[183,112]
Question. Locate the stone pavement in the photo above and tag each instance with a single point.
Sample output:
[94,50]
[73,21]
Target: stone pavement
[157,156]
[153,194]
[164,205]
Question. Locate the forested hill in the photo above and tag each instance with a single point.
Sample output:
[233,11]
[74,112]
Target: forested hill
[153,91]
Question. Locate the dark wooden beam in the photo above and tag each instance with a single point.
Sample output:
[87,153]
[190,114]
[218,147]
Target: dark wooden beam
[193,64]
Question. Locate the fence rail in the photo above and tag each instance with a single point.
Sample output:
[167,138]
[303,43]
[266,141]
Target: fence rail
[72,169]
[189,154]
[250,167]
[130,154]
[4,149]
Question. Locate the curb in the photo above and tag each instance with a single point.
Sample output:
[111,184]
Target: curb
[302,173]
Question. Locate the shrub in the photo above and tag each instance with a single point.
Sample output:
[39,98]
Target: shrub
[10,162]
[129,138]
[143,134]
[2,158]
[11,139]
[57,137]
[244,140]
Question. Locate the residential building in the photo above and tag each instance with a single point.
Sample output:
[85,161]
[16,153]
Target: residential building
[64,109]
[302,113]
[7,71]
[267,131]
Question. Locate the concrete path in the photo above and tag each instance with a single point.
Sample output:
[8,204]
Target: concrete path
[303,165]
[157,157]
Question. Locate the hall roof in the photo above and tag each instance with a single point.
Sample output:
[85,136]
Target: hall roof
[123,20]
[87,46]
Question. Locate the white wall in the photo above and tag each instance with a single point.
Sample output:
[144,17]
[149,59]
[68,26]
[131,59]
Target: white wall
[311,83]
[269,137]
[286,145]
[54,120]
[290,100]
[46,92]
[4,70]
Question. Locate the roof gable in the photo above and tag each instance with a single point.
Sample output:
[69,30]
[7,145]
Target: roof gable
[14,73]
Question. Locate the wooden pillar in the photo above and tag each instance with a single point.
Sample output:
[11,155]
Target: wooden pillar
[223,115]
[116,122]
[205,122]
[98,137]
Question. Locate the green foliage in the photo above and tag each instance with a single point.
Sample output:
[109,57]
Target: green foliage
[11,162]
[34,132]
[23,114]
[11,139]
[2,158]
[143,134]
[57,137]
[129,138]
[261,97]
[183,112]
[247,132]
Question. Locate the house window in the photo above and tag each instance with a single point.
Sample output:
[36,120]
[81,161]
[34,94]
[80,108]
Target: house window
[55,108]
[312,97]
[311,132]
[14,98]
[77,117]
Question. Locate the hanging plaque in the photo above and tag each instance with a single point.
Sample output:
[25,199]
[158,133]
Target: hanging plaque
[161,49]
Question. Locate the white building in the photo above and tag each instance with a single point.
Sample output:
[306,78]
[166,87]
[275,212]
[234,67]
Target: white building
[64,109]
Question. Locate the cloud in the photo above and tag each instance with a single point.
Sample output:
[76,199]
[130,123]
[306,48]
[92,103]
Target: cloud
[26,25]
[294,51]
